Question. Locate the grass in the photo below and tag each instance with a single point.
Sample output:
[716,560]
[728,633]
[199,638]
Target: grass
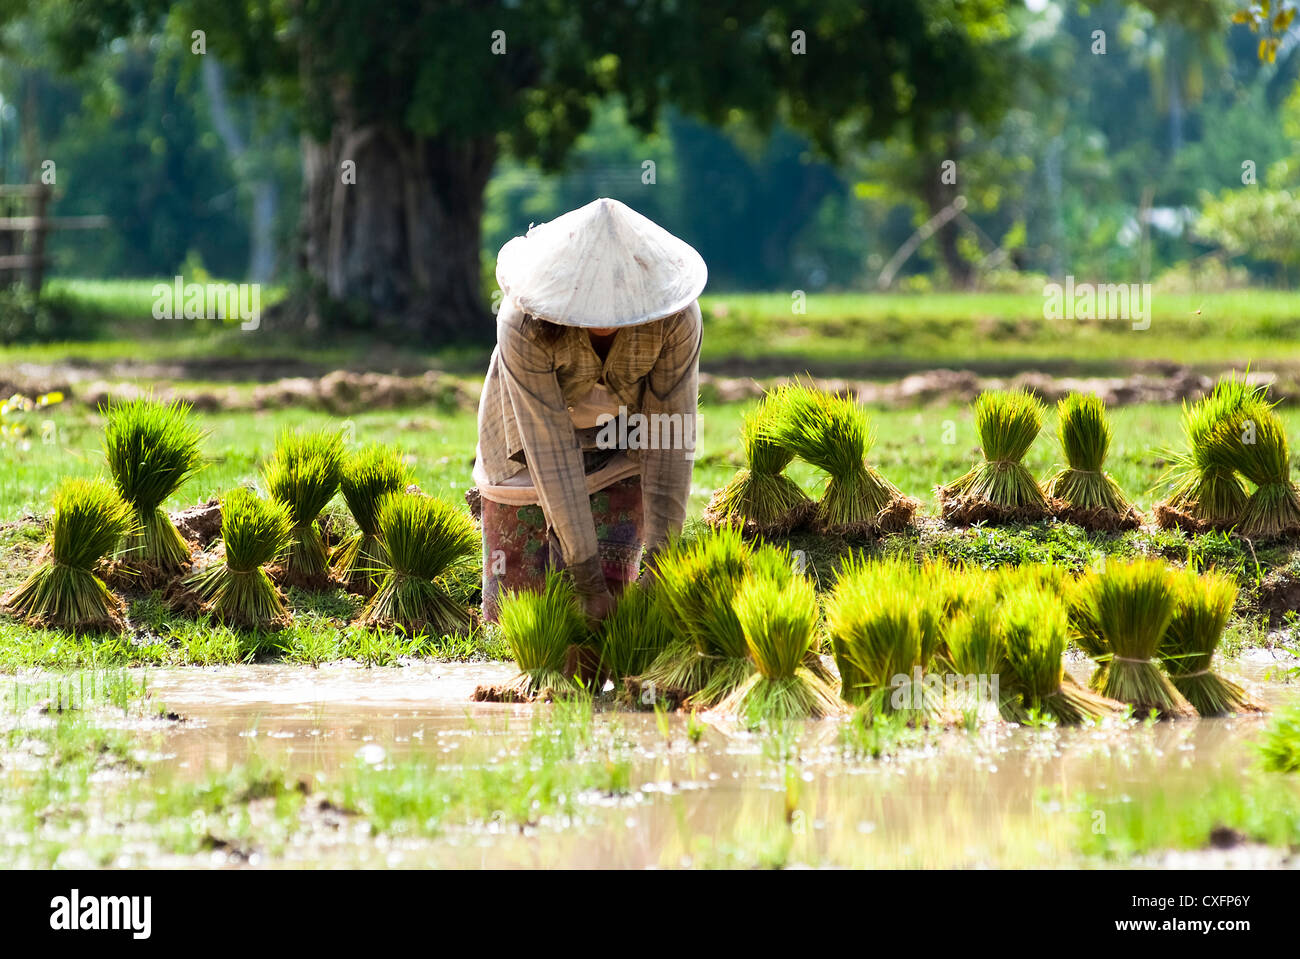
[886,333]
[1001,486]
[238,590]
[90,520]
[425,538]
[304,475]
[1083,430]
[779,616]
[368,476]
[1129,606]
[834,434]
[539,627]
[152,449]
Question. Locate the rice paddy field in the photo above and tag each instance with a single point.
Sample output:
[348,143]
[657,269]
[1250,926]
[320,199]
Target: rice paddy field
[341,740]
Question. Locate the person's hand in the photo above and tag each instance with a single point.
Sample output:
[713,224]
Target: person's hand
[593,593]
[597,606]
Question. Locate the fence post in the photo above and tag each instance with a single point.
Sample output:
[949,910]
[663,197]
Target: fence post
[37,271]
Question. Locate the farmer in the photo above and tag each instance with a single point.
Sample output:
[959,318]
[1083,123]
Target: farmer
[586,424]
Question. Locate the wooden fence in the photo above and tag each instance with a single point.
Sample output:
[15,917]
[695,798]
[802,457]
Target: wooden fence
[24,224]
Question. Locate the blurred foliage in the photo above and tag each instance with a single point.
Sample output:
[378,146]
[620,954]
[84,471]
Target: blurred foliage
[786,171]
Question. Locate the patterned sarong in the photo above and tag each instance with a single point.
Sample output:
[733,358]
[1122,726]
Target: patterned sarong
[518,549]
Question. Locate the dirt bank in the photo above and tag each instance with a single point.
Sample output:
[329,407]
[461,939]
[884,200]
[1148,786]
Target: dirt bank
[343,392]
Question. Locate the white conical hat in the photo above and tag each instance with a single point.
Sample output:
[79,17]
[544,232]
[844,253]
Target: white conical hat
[603,264]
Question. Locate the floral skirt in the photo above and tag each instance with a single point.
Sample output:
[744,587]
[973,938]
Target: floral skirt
[518,547]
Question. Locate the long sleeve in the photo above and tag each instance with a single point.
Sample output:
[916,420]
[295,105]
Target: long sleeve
[550,444]
[671,388]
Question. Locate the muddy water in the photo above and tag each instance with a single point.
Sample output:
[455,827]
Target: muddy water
[996,797]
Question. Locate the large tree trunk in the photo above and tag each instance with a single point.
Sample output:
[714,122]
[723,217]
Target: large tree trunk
[399,247]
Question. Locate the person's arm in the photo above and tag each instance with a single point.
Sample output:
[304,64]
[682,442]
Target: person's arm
[672,388]
[553,456]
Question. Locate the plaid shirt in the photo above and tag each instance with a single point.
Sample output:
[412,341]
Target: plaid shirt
[533,383]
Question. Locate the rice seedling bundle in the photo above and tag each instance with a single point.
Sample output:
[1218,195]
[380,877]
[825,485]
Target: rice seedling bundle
[1253,439]
[1203,604]
[879,617]
[1089,494]
[695,583]
[304,474]
[238,591]
[760,497]
[1129,605]
[366,478]
[1001,487]
[1035,630]
[539,627]
[834,434]
[90,520]
[424,537]
[975,649]
[1204,488]
[779,618]
[634,634]
[151,449]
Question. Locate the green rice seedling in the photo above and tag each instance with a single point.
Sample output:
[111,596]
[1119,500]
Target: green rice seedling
[1253,439]
[695,584]
[1280,747]
[539,627]
[975,649]
[1203,488]
[1001,487]
[1203,604]
[1129,605]
[366,478]
[424,538]
[760,498]
[880,618]
[1090,495]
[151,449]
[238,591]
[304,474]
[834,434]
[90,520]
[634,634]
[1035,630]
[779,618]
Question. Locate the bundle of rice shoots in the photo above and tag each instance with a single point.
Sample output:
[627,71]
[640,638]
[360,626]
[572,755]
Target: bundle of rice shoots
[1254,441]
[779,618]
[238,591]
[1204,490]
[1000,488]
[879,617]
[1204,603]
[304,474]
[1035,628]
[834,434]
[975,650]
[151,449]
[760,498]
[634,634]
[1090,496]
[90,520]
[696,583]
[1129,605]
[424,538]
[539,627]
[367,477]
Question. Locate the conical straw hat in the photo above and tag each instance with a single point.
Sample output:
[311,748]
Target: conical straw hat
[603,264]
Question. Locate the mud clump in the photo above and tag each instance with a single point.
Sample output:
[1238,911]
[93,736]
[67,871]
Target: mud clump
[1099,520]
[341,393]
[201,523]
